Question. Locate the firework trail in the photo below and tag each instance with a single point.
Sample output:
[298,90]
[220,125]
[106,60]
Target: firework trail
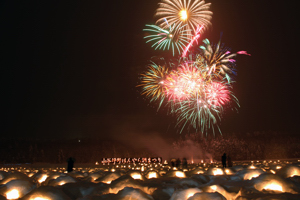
[195,38]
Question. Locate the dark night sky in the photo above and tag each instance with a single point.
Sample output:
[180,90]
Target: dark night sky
[69,68]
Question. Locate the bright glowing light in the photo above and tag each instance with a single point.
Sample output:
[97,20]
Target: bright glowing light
[183,15]
[43,178]
[62,183]
[190,195]
[249,176]
[13,194]
[218,171]
[213,187]
[136,176]
[152,175]
[40,198]
[273,186]
[180,174]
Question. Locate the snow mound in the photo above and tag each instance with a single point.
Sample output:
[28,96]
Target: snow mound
[46,192]
[61,180]
[17,188]
[207,196]
[274,183]
[289,171]
[184,193]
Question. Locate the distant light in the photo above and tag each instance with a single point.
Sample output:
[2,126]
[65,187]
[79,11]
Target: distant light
[78,140]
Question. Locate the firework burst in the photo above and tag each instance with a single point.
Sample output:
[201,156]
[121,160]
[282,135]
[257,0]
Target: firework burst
[152,82]
[174,37]
[196,88]
[193,13]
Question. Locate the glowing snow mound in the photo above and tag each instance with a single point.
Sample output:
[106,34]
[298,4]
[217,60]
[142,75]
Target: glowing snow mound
[207,196]
[127,193]
[128,181]
[46,193]
[274,183]
[17,189]
[176,173]
[15,176]
[136,175]
[215,171]
[152,174]
[248,174]
[185,193]
[289,171]
[61,181]
[109,177]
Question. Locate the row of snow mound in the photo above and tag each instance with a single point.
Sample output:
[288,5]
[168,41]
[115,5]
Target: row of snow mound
[196,182]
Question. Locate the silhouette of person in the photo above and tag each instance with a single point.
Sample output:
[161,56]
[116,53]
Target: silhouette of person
[70,164]
[173,162]
[224,160]
[184,163]
[178,162]
[229,161]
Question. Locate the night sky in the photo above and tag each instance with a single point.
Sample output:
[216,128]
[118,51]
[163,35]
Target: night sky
[69,69]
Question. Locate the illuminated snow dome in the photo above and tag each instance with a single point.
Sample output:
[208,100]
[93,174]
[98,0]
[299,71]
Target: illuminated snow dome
[289,171]
[128,181]
[207,196]
[184,194]
[15,176]
[274,183]
[126,193]
[248,174]
[198,170]
[16,189]
[152,174]
[46,193]
[175,173]
[61,180]
[215,171]
[108,177]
